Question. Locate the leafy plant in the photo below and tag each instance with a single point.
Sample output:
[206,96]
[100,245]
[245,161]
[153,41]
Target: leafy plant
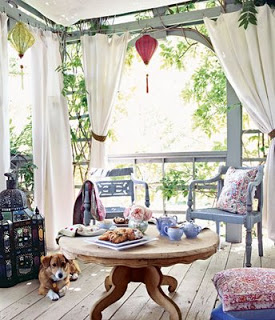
[181,8]
[21,159]
[174,54]
[75,91]
[208,90]
[173,183]
[248,13]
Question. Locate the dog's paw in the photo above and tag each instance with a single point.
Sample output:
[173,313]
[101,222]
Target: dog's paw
[74,277]
[52,295]
[62,292]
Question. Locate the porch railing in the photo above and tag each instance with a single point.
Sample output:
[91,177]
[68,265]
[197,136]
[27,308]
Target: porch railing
[164,160]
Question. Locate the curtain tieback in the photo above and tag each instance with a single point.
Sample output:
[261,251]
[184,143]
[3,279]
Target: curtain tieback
[98,138]
[272,134]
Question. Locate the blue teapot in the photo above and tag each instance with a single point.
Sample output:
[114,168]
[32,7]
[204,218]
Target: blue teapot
[165,221]
[191,229]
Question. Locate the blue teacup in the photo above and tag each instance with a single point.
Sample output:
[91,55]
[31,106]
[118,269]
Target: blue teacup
[105,224]
[174,233]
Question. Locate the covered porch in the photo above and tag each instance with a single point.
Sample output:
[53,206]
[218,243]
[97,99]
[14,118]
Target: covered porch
[196,295]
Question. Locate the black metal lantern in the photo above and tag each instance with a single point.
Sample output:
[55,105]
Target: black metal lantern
[21,236]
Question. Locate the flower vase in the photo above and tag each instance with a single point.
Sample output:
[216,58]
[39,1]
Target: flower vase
[138,224]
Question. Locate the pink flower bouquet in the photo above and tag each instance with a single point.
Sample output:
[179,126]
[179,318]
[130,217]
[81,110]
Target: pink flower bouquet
[138,212]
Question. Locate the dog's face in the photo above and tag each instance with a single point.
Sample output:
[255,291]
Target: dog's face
[57,265]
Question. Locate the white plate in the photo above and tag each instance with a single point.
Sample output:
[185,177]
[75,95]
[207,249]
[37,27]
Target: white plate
[123,245]
[121,225]
[91,233]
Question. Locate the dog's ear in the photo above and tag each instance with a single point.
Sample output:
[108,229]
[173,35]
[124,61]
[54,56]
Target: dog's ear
[46,261]
[67,260]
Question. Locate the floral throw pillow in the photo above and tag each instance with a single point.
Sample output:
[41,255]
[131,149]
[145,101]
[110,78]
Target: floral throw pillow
[234,192]
[246,288]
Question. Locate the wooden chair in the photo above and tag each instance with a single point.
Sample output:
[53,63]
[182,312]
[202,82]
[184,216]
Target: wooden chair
[255,191]
[112,183]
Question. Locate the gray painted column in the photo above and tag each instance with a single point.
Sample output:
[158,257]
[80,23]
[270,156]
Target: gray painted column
[234,150]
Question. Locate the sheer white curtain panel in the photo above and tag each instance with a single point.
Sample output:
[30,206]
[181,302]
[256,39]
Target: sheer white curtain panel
[103,60]
[4,114]
[53,180]
[247,57]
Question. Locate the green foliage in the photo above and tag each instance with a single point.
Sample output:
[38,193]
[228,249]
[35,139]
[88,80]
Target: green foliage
[208,90]
[21,159]
[255,145]
[248,14]
[21,143]
[219,146]
[181,8]
[144,15]
[129,56]
[173,54]
[75,92]
[211,3]
[208,86]
[174,182]
[94,26]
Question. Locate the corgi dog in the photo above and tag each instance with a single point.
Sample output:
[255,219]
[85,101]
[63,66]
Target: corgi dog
[55,274]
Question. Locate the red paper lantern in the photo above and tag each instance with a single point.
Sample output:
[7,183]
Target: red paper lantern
[146,47]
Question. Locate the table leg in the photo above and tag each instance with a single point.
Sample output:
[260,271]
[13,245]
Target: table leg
[153,280]
[116,284]
[170,281]
[119,278]
[166,280]
[108,283]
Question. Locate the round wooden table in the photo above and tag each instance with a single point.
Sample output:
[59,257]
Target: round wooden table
[142,264]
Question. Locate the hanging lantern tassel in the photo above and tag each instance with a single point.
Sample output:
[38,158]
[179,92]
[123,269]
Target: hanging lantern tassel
[146,47]
[22,76]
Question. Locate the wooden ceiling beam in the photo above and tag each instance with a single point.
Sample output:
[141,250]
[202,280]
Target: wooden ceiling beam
[16,14]
[184,19]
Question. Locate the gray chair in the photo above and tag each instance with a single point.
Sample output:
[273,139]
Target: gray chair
[255,190]
[118,183]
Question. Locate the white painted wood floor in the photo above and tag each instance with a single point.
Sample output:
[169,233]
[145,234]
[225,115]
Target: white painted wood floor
[195,295]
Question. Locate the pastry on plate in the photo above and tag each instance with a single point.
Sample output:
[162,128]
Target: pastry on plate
[121,235]
[120,220]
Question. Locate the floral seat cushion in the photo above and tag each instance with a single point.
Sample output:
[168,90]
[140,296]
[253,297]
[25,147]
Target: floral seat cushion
[246,288]
[234,192]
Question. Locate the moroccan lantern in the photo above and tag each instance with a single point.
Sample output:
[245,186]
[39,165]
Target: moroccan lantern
[146,47]
[21,236]
[21,39]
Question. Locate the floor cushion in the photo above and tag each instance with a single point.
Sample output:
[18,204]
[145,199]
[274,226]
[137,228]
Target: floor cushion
[234,192]
[246,288]
[264,314]
[218,314]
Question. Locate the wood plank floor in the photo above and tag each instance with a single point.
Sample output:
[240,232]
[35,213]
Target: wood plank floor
[195,295]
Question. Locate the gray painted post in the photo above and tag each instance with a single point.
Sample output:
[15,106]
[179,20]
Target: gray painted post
[234,150]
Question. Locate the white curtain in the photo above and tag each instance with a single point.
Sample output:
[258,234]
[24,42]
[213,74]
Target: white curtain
[103,60]
[248,60]
[53,180]
[4,114]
